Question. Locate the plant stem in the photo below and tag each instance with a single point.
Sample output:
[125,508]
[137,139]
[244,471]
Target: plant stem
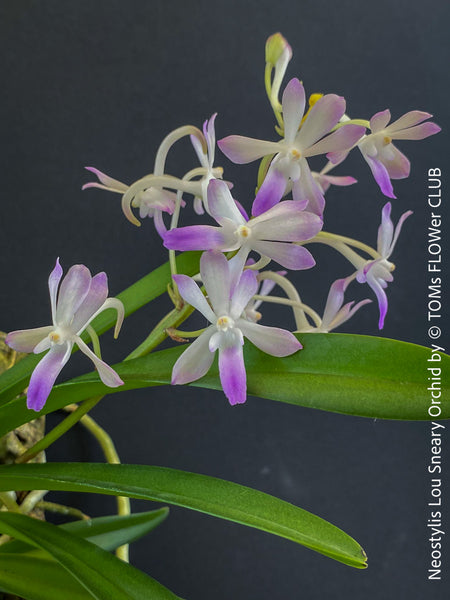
[59,430]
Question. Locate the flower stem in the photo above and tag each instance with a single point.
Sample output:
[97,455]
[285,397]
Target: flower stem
[59,430]
[158,335]
[286,301]
[112,458]
[334,240]
[291,292]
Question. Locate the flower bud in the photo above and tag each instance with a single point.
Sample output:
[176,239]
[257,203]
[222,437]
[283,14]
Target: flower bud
[277,48]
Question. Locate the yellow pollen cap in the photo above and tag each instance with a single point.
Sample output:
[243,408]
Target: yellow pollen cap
[244,231]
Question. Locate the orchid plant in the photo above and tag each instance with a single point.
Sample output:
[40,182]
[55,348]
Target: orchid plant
[226,267]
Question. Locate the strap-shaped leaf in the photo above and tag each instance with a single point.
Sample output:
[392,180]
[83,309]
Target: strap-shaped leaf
[37,578]
[351,374]
[107,532]
[198,492]
[101,573]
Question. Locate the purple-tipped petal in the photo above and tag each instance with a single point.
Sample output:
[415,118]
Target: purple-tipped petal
[270,192]
[287,255]
[98,292]
[108,376]
[45,374]
[348,311]
[272,340]
[191,293]
[335,300]
[160,226]
[341,140]
[232,374]
[53,283]
[293,103]
[215,275]
[25,340]
[197,237]
[321,119]
[419,132]
[326,180]
[377,287]
[380,120]
[195,360]
[410,119]
[242,150]
[381,176]
[286,222]
[72,292]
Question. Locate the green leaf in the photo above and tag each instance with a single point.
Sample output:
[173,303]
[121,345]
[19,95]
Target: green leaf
[102,574]
[14,380]
[198,492]
[107,532]
[351,374]
[37,578]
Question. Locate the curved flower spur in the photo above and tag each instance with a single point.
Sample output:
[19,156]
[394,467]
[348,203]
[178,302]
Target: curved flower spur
[79,300]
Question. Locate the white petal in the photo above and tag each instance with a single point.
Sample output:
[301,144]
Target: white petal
[272,340]
[221,204]
[293,104]
[73,290]
[245,289]
[53,283]
[215,275]
[107,374]
[25,340]
[195,360]
[190,292]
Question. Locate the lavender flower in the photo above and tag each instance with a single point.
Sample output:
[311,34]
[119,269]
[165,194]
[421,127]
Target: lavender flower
[152,202]
[269,234]
[228,327]
[79,300]
[384,159]
[336,312]
[207,162]
[378,273]
[298,144]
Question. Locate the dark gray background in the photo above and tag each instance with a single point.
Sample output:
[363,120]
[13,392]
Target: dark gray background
[101,83]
